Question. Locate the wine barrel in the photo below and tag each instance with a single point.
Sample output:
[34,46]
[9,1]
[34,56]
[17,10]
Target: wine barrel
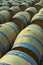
[5,7]
[10,3]
[18,57]
[19,2]
[30,3]
[19,20]
[22,19]
[16,7]
[8,33]
[6,15]
[26,15]
[15,4]
[30,42]
[5,4]
[23,6]
[38,5]
[34,1]
[37,19]
[32,11]
[13,10]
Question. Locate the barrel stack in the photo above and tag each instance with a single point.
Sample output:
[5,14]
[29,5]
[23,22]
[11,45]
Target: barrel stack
[5,16]
[27,46]
[22,19]
[38,5]
[31,10]
[38,18]
[21,32]
[13,10]
[6,36]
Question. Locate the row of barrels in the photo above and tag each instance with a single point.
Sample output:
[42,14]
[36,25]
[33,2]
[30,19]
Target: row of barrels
[22,19]
[8,33]
[27,48]
[7,13]
[19,47]
[18,2]
[29,40]
[19,22]
[12,15]
[6,16]
[24,5]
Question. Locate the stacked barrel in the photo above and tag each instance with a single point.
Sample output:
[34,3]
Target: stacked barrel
[27,46]
[21,32]
[6,36]
[38,18]
[38,5]
[5,16]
